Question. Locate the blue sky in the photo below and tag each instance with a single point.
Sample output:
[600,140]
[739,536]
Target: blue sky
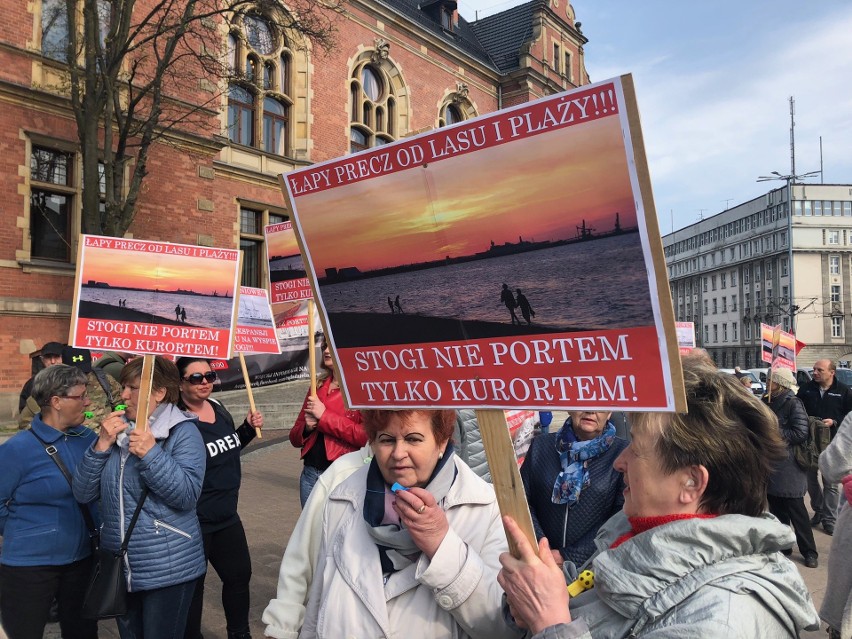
[713,81]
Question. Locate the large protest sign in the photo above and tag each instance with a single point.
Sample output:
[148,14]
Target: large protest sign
[154,298]
[510,261]
[255,331]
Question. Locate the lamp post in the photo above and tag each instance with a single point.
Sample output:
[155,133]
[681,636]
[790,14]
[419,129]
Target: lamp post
[790,180]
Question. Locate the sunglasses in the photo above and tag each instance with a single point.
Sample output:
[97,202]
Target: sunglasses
[199,378]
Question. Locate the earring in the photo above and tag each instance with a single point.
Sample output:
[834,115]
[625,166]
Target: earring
[440,455]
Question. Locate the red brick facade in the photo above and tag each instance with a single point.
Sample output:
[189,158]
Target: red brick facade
[195,189]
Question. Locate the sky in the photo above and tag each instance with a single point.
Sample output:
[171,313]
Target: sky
[713,82]
[454,212]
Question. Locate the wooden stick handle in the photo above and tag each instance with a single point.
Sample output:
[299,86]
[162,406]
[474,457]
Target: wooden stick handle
[312,347]
[146,378]
[505,475]
[248,390]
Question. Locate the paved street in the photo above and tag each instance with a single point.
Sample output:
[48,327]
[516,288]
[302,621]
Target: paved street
[269,506]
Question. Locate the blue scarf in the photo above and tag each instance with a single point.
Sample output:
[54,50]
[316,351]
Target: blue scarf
[573,455]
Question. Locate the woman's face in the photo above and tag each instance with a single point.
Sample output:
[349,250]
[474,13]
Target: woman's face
[327,362]
[72,405]
[406,451]
[588,425]
[130,397]
[194,393]
[649,492]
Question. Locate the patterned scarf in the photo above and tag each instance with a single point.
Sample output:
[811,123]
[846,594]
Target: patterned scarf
[573,455]
[396,548]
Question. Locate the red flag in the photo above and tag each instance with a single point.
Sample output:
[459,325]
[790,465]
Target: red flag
[799,346]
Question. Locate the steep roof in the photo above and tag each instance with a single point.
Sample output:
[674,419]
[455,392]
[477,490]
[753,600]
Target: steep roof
[503,34]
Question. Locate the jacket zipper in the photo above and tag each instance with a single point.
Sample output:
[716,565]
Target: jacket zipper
[161,524]
[121,517]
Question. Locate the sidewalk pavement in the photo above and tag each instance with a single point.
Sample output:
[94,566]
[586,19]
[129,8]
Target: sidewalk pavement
[269,507]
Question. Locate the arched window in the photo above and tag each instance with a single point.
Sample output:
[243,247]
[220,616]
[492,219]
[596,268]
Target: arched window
[452,115]
[373,107]
[259,102]
[240,115]
[457,107]
[232,52]
[274,126]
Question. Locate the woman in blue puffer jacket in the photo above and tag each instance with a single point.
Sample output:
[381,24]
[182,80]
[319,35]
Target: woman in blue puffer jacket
[165,557]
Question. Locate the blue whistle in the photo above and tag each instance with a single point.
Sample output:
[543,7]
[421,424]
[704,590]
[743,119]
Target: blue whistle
[397,487]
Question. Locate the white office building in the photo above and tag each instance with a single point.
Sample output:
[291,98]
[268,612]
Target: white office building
[754,264]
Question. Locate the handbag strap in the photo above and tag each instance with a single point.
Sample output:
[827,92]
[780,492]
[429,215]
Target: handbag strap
[51,450]
[136,512]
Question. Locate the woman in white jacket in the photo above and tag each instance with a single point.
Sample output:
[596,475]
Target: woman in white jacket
[420,561]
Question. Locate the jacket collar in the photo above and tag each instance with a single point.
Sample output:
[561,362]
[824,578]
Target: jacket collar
[49,433]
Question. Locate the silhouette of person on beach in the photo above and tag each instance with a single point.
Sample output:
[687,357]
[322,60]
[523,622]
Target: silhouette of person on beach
[183,315]
[524,304]
[177,313]
[398,306]
[508,299]
[390,303]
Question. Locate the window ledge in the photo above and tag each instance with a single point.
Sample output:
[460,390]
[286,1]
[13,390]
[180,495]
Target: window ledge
[48,267]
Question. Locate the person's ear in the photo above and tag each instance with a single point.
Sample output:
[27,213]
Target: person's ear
[158,395]
[695,483]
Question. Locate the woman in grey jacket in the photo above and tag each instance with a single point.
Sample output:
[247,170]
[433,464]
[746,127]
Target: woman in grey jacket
[693,553]
[165,557]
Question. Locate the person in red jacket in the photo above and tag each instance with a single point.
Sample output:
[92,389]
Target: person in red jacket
[325,430]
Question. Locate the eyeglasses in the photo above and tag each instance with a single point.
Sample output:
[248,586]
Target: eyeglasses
[199,378]
[82,397]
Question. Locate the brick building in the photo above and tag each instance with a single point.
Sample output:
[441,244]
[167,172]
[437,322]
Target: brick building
[398,67]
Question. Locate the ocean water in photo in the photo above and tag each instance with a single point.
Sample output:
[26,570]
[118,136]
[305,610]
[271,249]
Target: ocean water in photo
[201,310]
[594,284]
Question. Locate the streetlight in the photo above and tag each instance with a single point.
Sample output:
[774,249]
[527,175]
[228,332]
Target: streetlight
[789,180]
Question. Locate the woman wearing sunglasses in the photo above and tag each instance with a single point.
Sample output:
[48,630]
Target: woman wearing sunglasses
[224,537]
[324,430]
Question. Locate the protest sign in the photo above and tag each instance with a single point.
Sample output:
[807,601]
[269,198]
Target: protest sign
[255,331]
[154,298]
[287,278]
[778,348]
[509,261]
[685,336]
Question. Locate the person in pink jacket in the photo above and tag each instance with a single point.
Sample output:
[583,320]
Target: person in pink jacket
[324,430]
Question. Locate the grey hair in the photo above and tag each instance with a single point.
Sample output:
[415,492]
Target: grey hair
[56,381]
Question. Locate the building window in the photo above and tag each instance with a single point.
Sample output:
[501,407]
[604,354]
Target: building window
[446,19]
[567,70]
[54,30]
[834,264]
[706,334]
[747,302]
[734,331]
[784,267]
[835,293]
[834,237]
[733,302]
[704,280]
[747,330]
[451,115]
[259,99]
[785,321]
[725,332]
[52,195]
[252,223]
[715,332]
[724,280]
[757,272]
[556,57]
[746,274]
[715,307]
[373,107]
[785,293]
[733,278]
[837,327]
[724,304]
[705,307]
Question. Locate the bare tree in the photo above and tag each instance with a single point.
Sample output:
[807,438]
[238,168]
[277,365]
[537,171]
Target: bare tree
[135,67]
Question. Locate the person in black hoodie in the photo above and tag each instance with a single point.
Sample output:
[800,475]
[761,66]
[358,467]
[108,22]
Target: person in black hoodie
[225,542]
[831,400]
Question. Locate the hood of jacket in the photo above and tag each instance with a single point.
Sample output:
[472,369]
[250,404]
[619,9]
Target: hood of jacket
[656,571]
[161,421]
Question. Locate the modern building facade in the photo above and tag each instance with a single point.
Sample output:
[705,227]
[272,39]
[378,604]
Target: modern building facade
[398,67]
[755,263]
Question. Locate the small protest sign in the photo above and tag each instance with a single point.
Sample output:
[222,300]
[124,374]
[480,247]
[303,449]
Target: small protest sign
[509,261]
[778,348]
[685,336]
[154,298]
[287,278]
[255,331]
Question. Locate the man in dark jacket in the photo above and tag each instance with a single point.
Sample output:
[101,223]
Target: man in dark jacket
[788,483]
[830,400]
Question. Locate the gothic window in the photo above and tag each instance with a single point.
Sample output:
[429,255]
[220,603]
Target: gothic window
[259,100]
[373,108]
[54,29]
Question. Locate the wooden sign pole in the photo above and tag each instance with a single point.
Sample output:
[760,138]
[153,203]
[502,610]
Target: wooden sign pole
[505,476]
[312,347]
[145,380]
[248,390]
